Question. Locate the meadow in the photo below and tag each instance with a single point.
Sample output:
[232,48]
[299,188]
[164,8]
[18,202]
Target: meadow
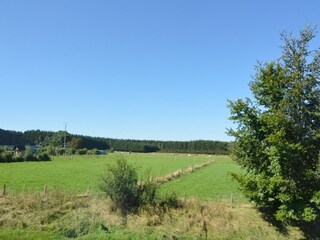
[28,213]
[77,173]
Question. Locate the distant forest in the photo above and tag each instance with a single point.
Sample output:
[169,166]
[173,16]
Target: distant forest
[56,139]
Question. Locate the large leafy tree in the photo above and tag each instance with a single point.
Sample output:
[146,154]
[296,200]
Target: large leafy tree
[277,138]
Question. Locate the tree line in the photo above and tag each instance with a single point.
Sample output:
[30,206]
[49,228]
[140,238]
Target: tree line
[56,139]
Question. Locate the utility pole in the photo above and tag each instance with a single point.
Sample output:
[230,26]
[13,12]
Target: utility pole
[65,136]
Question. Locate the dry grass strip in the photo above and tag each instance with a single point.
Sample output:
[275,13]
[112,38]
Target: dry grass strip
[179,173]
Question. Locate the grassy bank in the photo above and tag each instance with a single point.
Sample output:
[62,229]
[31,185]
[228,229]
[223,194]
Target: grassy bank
[64,216]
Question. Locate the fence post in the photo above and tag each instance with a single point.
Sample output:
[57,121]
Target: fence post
[45,190]
[231,200]
[4,191]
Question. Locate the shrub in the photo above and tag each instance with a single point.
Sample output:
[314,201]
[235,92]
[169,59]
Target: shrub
[170,200]
[6,156]
[121,184]
[43,157]
[51,151]
[28,155]
[93,151]
[18,157]
[82,151]
[70,151]
[59,151]
[148,193]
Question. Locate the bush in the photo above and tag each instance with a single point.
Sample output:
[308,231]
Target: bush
[70,151]
[18,157]
[82,151]
[148,193]
[170,200]
[93,151]
[121,185]
[8,156]
[43,157]
[5,157]
[50,150]
[28,155]
[59,151]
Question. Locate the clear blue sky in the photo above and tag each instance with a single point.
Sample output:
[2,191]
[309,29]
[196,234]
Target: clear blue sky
[147,69]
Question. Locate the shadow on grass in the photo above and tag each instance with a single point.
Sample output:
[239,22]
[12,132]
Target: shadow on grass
[310,230]
[268,215]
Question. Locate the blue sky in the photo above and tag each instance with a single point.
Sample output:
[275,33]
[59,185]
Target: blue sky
[158,70]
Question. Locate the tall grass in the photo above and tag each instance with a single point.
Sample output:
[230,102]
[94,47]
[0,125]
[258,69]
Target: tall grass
[61,215]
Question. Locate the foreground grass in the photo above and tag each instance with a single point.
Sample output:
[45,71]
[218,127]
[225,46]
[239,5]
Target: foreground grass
[64,216]
[76,173]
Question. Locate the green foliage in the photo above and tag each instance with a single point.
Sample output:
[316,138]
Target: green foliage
[199,146]
[43,157]
[28,155]
[93,151]
[76,142]
[170,200]
[11,138]
[121,184]
[18,157]
[50,150]
[75,224]
[70,151]
[56,140]
[277,140]
[59,151]
[7,156]
[147,193]
[82,151]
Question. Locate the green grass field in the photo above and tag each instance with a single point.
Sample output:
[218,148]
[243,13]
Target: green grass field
[76,173]
[26,215]
[209,183]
